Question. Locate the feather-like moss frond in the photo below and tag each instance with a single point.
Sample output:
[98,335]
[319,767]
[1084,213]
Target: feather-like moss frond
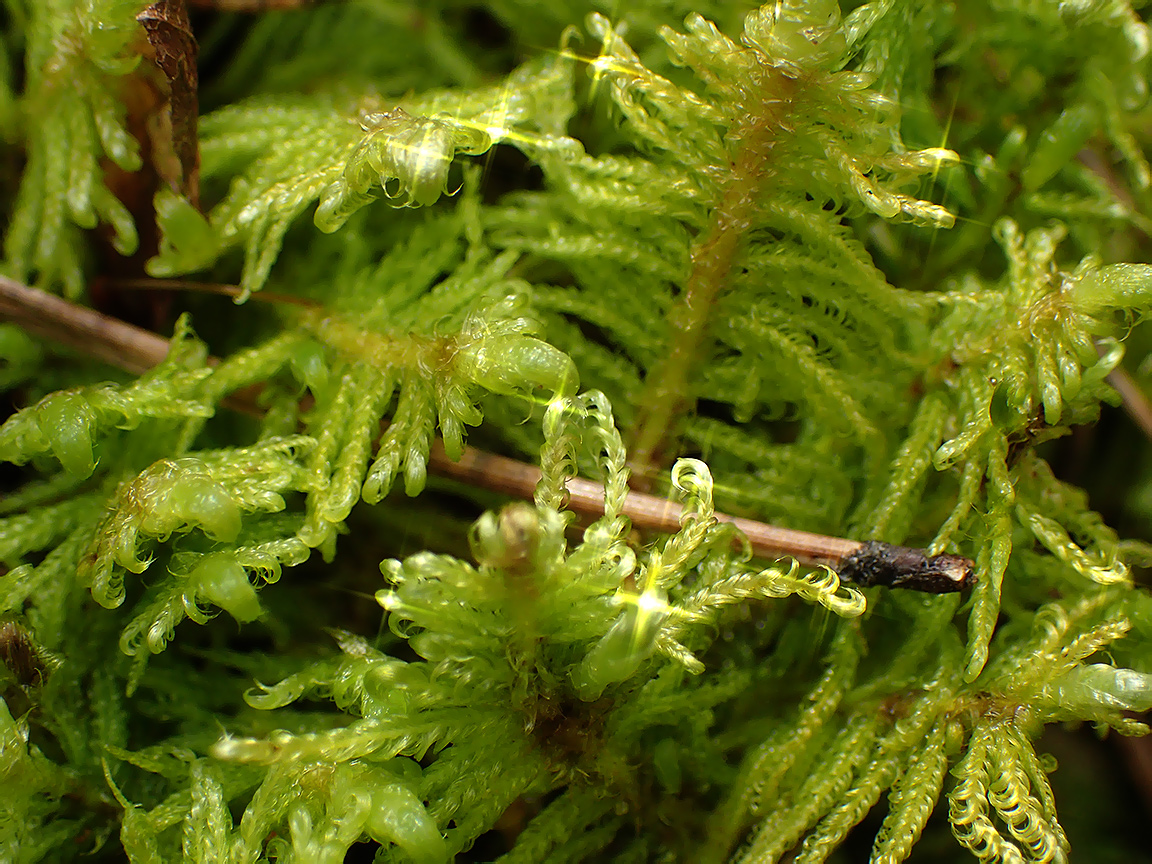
[77,57]
[284,154]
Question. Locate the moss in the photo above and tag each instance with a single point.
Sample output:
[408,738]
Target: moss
[847,267]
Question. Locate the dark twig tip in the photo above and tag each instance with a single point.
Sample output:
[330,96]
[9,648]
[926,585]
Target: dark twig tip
[876,563]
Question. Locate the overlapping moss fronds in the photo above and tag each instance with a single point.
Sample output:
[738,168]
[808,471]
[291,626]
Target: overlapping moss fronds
[849,267]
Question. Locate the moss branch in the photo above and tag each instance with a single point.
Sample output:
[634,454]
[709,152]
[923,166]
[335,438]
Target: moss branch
[667,395]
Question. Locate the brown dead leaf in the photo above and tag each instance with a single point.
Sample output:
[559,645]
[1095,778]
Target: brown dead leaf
[171,50]
[161,104]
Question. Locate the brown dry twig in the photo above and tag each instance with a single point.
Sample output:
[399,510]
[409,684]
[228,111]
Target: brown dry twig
[135,350]
[252,5]
[1136,404]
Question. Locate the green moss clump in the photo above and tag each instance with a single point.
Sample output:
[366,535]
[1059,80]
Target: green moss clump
[856,268]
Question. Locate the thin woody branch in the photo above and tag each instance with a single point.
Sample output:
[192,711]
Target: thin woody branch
[867,563]
[224,290]
[1135,403]
[102,337]
[136,350]
[253,6]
